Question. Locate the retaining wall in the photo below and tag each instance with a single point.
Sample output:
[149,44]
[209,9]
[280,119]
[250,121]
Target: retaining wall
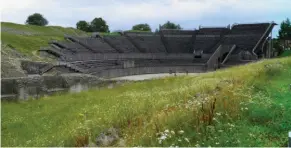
[112,73]
[36,86]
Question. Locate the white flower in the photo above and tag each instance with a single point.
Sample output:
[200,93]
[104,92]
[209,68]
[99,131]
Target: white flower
[181,132]
[166,131]
[163,137]
[246,108]
[186,139]
[218,114]
[173,132]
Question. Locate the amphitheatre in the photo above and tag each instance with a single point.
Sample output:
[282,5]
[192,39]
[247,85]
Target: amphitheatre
[66,87]
[135,53]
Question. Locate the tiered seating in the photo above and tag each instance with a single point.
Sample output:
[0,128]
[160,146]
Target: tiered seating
[206,43]
[156,63]
[250,28]
[57,52]
[242,42]
[95,66]
[72,46]
[245,36]
[177,32]
[207,39]
[148,42]
[179,41]
[96,44]
[213,31]
[121,43]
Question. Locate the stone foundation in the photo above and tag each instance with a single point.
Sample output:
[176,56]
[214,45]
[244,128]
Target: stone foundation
[36,86]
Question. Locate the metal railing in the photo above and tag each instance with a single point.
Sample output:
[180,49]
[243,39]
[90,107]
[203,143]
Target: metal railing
[229,53]
[213,60]
[265,33]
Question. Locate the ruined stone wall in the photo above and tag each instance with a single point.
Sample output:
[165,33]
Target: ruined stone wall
[33,67]
[36,86]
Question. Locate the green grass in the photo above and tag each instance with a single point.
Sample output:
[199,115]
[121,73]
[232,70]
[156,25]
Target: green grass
[33,37]
[252,108]
[286,53]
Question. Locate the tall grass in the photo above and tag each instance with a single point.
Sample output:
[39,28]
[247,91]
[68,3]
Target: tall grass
[222,108]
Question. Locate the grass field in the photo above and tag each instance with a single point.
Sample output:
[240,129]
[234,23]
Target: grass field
[241,106]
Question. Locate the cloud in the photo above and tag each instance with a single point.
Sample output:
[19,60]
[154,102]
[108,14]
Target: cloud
[122,14]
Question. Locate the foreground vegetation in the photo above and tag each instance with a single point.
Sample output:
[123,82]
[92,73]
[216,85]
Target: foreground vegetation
[242,106]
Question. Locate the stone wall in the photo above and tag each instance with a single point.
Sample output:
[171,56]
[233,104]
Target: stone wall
[112,73]
[36,86]
[33,67]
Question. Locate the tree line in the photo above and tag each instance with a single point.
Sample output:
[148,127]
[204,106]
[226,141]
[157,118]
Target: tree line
[98,24]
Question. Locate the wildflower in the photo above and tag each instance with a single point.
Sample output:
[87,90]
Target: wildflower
[246,108]
[172,132]
[163,137]
[181,132]
[218,114]
[166,131]
[186,139]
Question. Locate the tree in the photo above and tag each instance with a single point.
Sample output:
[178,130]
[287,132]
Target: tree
[142,27]
[84,26]
[285,29]
[99,25]
[157,31]
[171,25]
[36,19]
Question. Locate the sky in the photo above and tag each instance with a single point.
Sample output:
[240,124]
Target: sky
[123,14]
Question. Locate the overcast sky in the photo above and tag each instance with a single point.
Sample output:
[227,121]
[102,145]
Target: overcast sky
[122,14]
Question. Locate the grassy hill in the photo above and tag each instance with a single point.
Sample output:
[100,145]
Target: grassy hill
[247,105]
[29,38]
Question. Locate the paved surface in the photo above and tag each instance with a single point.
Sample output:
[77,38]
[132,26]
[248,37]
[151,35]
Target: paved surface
[150,76]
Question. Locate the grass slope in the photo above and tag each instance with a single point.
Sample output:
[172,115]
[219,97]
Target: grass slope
[241,106]
[29,38]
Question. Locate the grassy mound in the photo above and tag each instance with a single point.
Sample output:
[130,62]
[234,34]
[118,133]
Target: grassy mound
[241,106]
[29,38]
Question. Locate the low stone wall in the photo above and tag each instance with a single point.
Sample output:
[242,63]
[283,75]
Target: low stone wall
[36,86]
[112,73]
